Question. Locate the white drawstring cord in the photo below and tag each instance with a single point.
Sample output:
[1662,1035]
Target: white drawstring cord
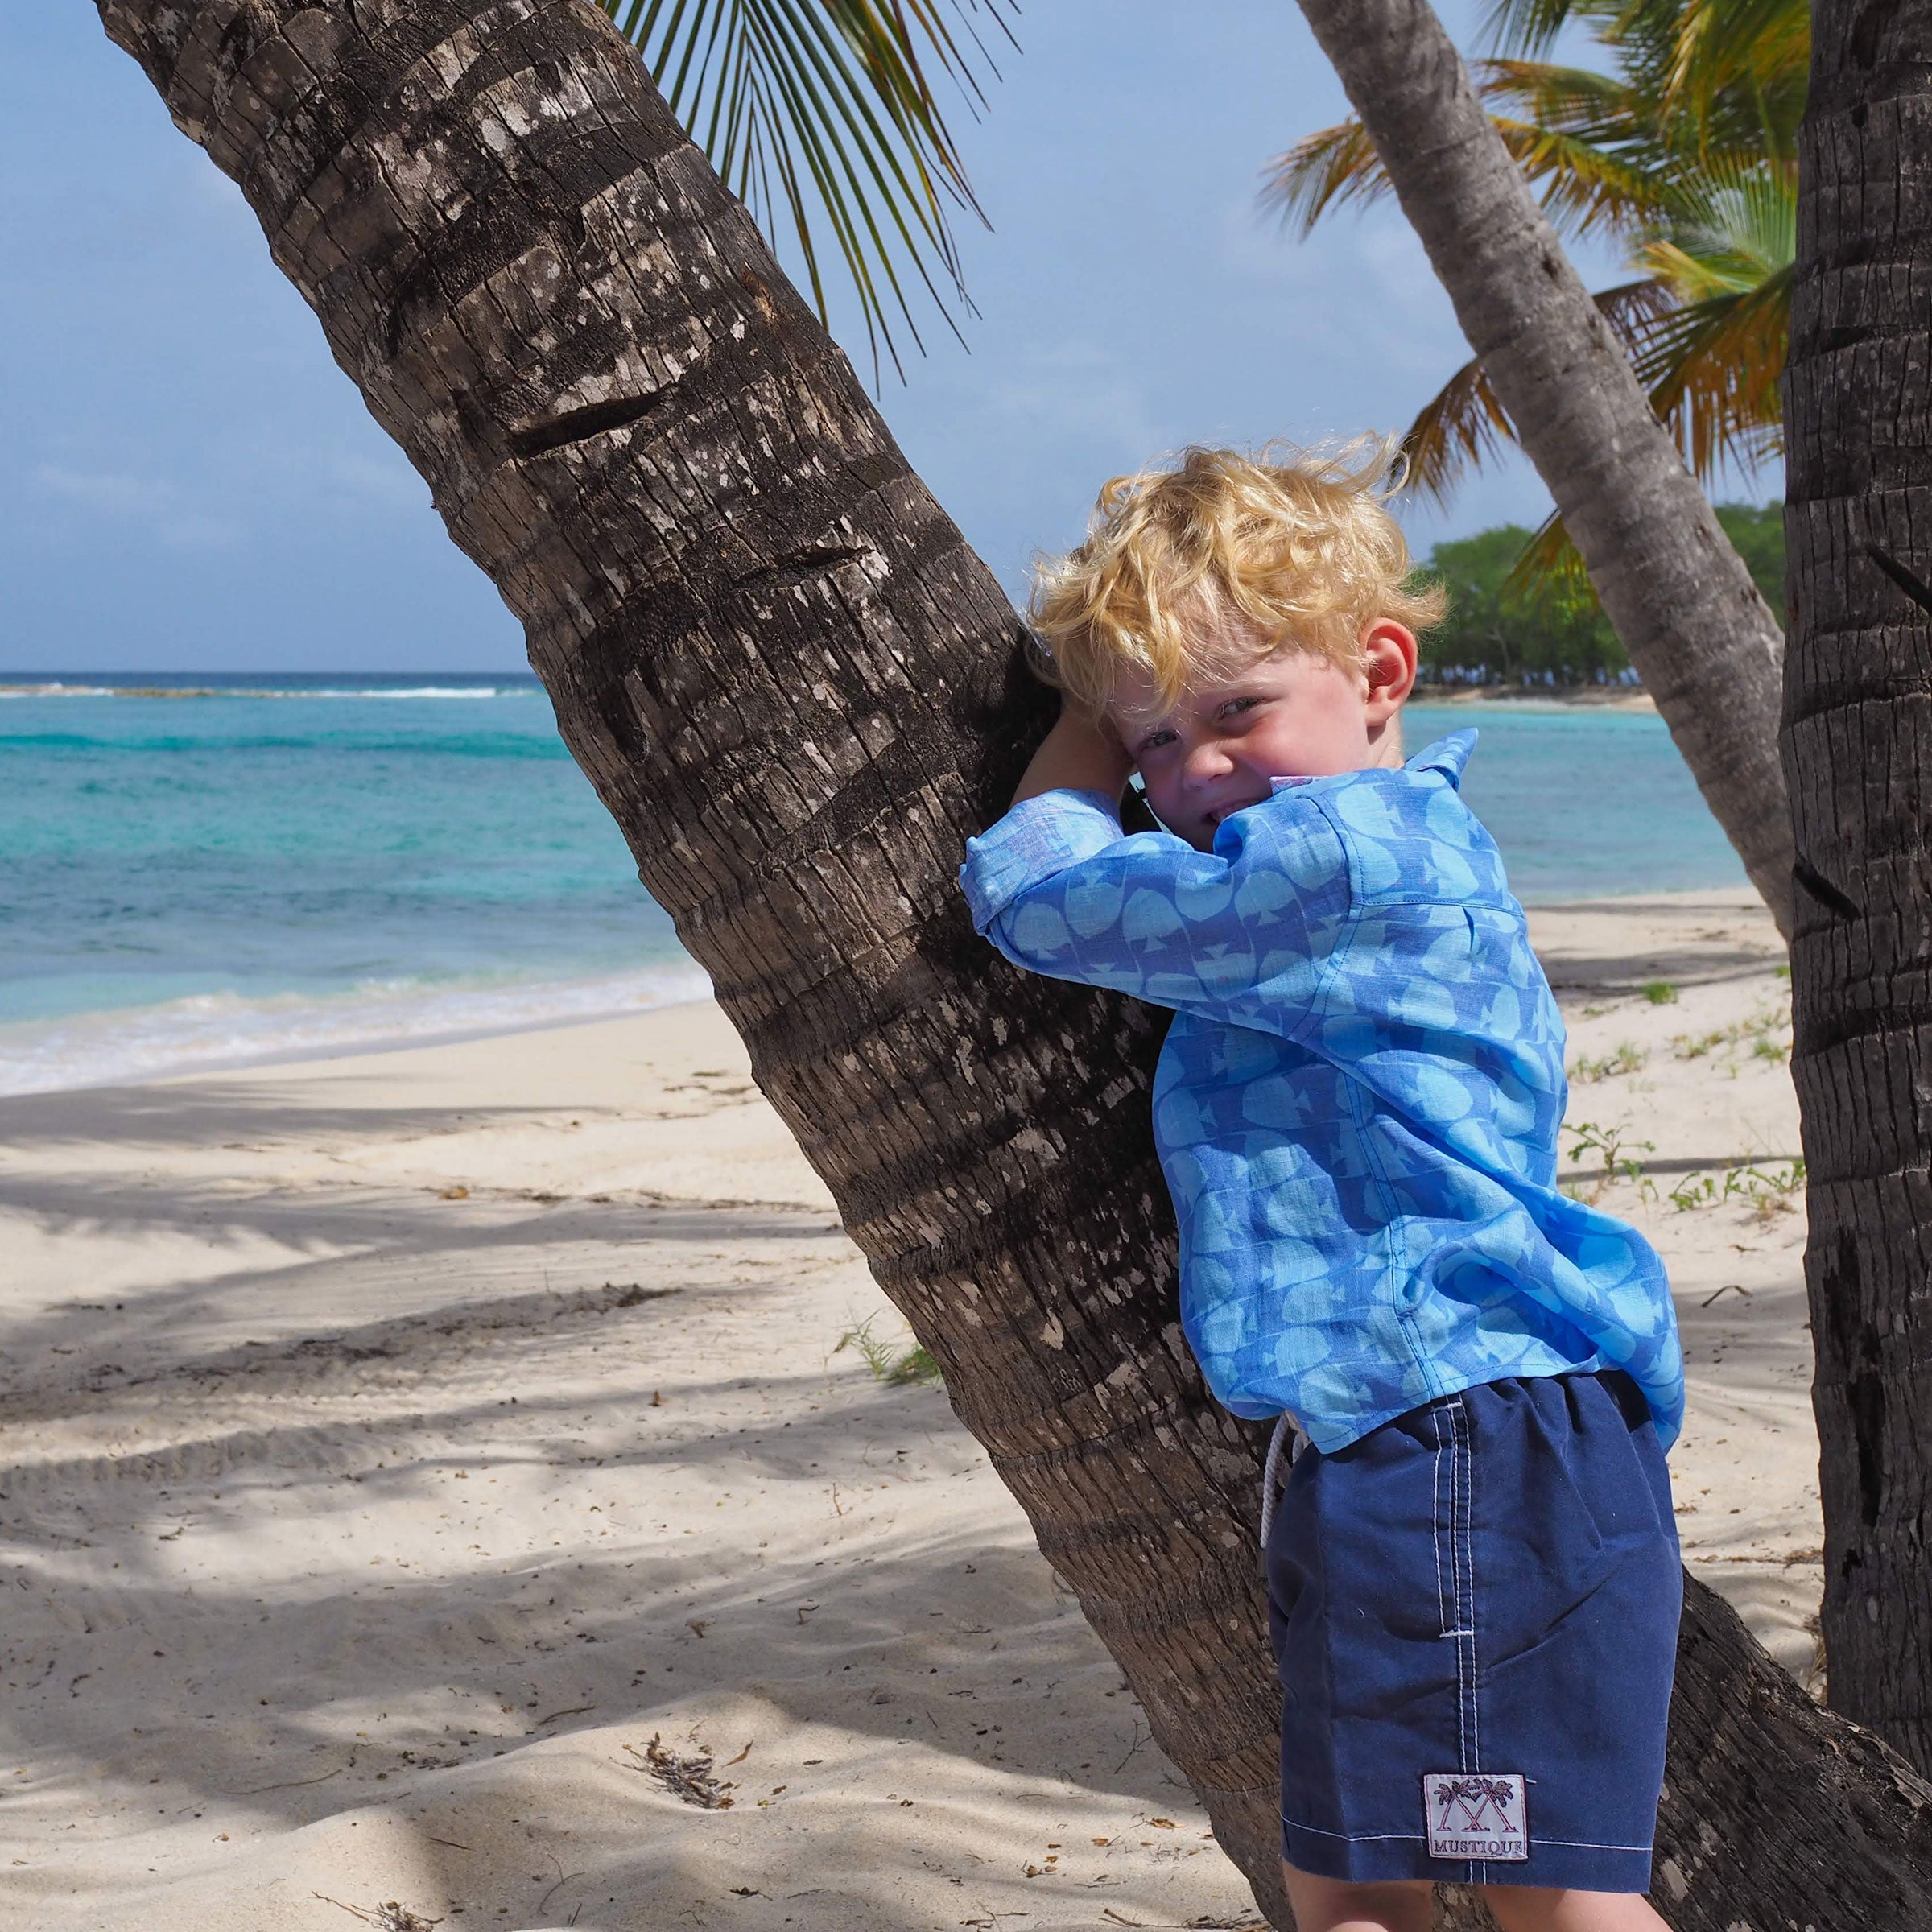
[1287,1429]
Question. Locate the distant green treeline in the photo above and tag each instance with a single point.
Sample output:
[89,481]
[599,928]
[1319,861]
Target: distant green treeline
[1490,638]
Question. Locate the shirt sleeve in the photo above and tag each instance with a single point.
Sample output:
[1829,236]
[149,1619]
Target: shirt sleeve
[1240,933]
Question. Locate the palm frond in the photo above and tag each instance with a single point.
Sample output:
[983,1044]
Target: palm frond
[1585,189]
[1634,310]
[1464,424]
[1531,26]
[823,114]
[1712,363]
[1712,371]
[1330,168]
[1549,575]
[1739,227]
[1763,46]
[1684,150]
[1586,128]
[1576,99]
[1459,428]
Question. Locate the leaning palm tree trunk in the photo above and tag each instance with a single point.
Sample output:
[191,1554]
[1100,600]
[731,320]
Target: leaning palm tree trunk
[1699,634]
[797,691]
[1859,758]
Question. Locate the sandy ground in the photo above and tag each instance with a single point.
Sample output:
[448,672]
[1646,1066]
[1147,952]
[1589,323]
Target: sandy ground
[393,1448]
[1691,1080]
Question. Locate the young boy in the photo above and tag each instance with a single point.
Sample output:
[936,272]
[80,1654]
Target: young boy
[1473,1574]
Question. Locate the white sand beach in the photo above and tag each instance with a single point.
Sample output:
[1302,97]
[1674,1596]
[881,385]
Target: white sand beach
[393,1447]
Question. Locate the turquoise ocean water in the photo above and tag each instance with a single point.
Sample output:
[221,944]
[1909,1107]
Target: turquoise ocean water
[198,870]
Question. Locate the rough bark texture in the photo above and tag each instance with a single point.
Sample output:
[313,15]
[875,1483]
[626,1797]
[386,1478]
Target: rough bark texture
[1857,751]
[798,692]
[1701,636]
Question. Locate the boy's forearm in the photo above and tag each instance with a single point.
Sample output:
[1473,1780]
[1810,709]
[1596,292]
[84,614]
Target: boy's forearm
[1077,755]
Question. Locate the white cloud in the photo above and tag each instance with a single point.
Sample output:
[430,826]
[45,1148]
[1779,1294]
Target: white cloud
[163,508]
[386,480]
[1076,389]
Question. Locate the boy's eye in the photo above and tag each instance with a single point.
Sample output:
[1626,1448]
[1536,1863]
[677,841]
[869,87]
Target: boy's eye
[1153,741]
[1239,704]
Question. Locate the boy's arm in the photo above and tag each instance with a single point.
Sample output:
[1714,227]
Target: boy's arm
[1080,755]
[1240,933]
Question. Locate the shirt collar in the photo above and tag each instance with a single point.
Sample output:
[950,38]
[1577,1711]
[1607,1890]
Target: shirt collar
[1446,755]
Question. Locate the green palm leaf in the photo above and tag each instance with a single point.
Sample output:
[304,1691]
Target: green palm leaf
[1526,26]
[1549,575]
[1712,369]
[1712,363]
[1574,134]
[1588,187]
[1764,43]
[1464,424]
[1738,227]
[822,114]
[1685,149]
[1330,168]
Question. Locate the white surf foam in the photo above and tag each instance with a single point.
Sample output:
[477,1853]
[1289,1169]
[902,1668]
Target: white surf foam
[269,690]
[211,1030]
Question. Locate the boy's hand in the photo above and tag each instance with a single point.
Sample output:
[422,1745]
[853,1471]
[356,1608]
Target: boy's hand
[1080,753]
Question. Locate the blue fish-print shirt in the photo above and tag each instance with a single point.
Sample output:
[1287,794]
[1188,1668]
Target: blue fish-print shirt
[1357,1105]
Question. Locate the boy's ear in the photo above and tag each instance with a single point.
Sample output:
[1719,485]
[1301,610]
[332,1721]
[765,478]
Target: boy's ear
[1390,656]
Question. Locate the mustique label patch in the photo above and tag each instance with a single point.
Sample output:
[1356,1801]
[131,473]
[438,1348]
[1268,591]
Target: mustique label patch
[1475,1815]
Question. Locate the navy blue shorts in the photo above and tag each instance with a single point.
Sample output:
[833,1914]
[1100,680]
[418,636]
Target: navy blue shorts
[1474,1609]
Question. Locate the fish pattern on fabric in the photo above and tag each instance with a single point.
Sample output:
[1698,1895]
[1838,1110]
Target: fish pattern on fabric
[1357,1105]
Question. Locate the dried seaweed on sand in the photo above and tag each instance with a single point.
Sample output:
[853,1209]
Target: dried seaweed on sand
[690,1778]
[390,1916]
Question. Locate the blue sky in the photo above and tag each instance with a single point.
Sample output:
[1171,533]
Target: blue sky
[188,482]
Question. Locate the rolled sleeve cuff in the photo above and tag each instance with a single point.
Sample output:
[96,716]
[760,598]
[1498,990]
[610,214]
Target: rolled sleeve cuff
[1038,837]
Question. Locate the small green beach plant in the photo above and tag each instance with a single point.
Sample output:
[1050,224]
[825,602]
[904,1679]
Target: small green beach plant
[1695,1046]
[1625,1057]
[1694,1191]
[1659,992]
[1768,1190]
[1768,1031]
[897,1366]
[1608,1144]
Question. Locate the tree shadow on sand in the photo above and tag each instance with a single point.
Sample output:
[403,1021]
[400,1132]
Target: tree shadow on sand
[736,1548]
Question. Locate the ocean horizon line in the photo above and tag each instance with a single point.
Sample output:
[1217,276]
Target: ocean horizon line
[14,674]
[268,684]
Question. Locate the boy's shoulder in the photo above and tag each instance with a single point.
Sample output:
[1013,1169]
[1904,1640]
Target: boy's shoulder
[1407,833]
[1434,772]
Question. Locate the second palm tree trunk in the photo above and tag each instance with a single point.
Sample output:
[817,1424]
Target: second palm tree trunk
[1858,746]
[1701,636]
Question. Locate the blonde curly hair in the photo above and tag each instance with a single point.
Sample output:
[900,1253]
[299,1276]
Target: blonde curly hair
[1288,549]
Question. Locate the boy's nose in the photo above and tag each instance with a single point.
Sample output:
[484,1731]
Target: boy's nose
[1207,761]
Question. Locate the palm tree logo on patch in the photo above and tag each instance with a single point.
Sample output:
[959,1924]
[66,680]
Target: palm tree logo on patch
[1475,1815]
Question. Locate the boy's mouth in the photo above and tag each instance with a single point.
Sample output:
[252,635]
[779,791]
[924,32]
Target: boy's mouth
[1216,813]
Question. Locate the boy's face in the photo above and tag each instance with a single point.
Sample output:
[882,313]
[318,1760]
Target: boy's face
[1291,715]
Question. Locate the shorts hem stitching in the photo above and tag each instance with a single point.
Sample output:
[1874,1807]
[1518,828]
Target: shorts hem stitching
[1587,1844]
[1365,1838]
[1416,1838]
